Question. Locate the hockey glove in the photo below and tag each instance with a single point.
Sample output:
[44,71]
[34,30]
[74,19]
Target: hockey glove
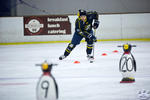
[96,24]
[92,37]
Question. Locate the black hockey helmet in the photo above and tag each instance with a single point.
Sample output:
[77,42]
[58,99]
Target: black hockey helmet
[81,13]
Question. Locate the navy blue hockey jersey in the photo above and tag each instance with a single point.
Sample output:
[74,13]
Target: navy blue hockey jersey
[84,27]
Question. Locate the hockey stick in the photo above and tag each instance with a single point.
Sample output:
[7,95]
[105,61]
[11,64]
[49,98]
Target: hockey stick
[93,42]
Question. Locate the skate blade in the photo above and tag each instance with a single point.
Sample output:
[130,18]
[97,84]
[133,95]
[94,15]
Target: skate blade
[91,61]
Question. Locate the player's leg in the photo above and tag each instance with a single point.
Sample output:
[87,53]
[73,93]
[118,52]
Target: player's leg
[68,50]
[89,48]
[75,41]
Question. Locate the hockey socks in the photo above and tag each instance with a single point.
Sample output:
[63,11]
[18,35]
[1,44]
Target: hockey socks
[89,48]
[67,51]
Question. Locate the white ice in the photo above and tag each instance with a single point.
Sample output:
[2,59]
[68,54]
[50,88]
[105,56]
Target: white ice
[83,81]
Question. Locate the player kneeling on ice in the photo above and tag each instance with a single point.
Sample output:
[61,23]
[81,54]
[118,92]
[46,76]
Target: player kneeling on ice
[83,29]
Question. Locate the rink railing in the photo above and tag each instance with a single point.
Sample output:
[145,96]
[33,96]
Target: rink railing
[113,27]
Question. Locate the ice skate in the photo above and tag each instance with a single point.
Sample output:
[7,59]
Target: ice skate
[90,58]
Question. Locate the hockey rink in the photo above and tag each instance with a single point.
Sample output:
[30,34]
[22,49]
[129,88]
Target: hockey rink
[81,81]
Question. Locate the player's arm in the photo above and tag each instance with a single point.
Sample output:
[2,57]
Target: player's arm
[96,21]
[80,30]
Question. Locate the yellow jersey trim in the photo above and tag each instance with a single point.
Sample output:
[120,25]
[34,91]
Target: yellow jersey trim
[41,42]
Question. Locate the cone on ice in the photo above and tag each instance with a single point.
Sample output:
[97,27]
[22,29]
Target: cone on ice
[104,54]
[76,62]
[115,51]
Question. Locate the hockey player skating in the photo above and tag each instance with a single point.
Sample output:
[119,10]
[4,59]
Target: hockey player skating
[84,24]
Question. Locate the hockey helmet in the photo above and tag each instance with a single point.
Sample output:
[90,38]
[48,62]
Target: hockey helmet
[81,13]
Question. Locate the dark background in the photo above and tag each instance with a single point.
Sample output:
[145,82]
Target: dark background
[51,7]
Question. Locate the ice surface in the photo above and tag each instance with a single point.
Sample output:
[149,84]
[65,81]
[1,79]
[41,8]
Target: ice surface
[83,81]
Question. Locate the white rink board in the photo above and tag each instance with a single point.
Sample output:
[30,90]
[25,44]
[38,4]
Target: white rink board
[116,26]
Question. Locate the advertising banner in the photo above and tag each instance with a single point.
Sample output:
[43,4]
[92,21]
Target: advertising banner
[47,25]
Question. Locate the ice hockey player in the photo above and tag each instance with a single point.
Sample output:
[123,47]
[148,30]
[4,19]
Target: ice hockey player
[84,24]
